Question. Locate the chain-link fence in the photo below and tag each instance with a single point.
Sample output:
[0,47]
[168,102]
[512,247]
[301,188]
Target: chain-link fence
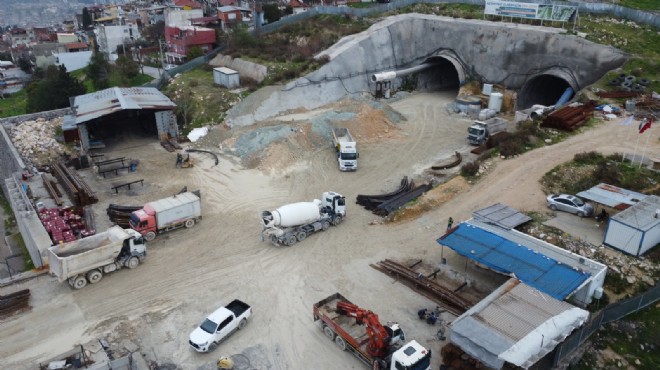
[612,312]
[166,75]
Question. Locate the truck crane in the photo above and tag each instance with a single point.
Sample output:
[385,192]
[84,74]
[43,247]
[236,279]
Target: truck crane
[348,325]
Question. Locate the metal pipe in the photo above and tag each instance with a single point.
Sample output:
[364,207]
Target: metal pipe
[390,75]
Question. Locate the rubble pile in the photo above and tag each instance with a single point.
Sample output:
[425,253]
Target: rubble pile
[35,140]
[631,268]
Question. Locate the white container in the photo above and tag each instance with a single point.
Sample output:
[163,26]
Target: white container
[495,101]
[488,89]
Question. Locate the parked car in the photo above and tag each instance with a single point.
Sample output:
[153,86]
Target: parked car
[219,325]
[569,203]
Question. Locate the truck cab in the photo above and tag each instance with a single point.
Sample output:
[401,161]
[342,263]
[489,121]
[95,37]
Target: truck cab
[335,202]
[143,222]
[412,356]
[347,156]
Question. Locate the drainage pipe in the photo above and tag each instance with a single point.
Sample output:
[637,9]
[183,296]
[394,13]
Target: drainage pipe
[390,75]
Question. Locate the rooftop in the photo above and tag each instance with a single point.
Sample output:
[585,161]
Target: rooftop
[641,216]
[516,324]
[514,258]
[114,99]
[612,196]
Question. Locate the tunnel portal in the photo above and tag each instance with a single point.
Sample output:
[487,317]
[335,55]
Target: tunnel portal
[544,89]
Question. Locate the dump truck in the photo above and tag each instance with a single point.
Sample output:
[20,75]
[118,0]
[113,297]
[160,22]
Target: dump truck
[360,332]
[346,149]
[181,210]
[293,222]
[88,259]
[480,131]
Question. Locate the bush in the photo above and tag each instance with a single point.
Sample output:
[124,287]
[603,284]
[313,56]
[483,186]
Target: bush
[512,146]
[470,169]
[608,173]
[588,158]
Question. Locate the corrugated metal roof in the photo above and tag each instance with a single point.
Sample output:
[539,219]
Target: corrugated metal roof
[502,216]
[504,256]
[612,196]
[642,215]
[507,325]
[114,99]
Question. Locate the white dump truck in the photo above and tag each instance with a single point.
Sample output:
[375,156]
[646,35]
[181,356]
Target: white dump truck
[480,131]
[181,210]
[346,149]
[88,259]
[293,222]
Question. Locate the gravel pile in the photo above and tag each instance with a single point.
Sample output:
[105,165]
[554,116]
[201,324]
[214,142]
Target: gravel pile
[35,140]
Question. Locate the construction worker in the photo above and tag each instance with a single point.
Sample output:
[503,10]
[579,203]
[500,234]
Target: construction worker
[432,318]
[179,160]
[422,313]
[450,223]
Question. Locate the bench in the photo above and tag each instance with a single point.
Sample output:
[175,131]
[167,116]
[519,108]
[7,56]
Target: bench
[111,161]
[116,170]
[127,184]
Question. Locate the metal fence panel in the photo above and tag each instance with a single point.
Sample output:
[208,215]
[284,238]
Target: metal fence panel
[612,312]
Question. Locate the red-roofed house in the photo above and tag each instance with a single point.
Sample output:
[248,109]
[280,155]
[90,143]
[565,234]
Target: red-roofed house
[181,39]
[76,46]
[187,4]
[297,6]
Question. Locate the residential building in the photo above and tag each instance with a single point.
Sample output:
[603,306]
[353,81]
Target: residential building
[109,37]
[44,53]
[18,36]
[66,38]
[233,15]
[181,39]
[74,60]
[187,4]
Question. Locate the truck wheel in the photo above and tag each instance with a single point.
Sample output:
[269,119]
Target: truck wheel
[326,225]
[79,282]
[328,332]
[150,236]
[337,221]
[94,276]
[132,262]
[339,341]
[290,240]
[189,223]
[242,324]
[301,236]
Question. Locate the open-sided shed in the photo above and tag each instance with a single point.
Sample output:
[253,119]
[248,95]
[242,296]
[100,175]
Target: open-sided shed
[106,113]
[637,229]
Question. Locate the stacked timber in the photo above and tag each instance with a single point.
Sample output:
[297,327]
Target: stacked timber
[77,189]
[120,215]
[14,302]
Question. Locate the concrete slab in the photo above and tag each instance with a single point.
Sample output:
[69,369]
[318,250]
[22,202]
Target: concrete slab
[587,229]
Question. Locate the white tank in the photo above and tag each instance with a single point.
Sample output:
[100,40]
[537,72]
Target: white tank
[293,214]
[495,101]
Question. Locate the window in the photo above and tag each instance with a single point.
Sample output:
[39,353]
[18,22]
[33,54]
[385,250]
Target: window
[225,323]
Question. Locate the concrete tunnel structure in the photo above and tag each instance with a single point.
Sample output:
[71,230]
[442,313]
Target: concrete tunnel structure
[539,62]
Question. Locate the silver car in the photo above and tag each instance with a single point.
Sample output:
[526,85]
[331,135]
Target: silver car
[569,203]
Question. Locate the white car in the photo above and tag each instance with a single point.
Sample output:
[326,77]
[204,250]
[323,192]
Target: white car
[167,67]
[219,325]
[569,203]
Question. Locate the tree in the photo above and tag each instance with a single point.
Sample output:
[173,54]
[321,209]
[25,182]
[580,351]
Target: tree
[154,32]
[53,91]
[184,103]
[271,13]
[24,63]
[86,19]
[194,52]
[98,71]
[127,68]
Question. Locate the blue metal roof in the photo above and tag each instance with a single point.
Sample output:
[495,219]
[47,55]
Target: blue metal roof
[502,255]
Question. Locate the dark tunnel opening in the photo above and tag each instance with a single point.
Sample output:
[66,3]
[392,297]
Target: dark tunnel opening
[443,76]
[543,89]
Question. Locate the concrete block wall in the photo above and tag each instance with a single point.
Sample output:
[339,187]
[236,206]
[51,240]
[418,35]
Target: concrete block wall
[10,160]
[47,115]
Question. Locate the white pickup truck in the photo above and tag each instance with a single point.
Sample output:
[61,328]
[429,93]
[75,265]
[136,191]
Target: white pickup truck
[220,325]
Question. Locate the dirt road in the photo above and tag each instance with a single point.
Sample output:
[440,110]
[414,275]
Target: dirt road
[189,273]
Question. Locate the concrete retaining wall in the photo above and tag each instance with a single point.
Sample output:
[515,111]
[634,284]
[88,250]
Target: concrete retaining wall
[47,115]
[490,52]
[244,68]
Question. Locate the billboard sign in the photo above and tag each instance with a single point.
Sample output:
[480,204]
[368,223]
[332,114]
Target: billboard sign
[547,12]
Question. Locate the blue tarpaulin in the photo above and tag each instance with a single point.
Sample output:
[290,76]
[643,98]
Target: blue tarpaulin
[533,268]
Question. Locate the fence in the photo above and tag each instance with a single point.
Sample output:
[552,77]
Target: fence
[159,82]
[639,16]
[610,313]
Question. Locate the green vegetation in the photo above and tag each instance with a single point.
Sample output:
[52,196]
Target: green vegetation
[640,4]
[206,106]
[27,260]
[634,338]
[591,168]
[13,105]
[51,90]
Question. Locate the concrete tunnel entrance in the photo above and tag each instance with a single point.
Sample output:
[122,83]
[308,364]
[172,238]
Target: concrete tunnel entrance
[442,76]
[543,89]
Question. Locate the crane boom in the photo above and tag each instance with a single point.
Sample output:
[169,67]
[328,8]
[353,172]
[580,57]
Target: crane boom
[378,336]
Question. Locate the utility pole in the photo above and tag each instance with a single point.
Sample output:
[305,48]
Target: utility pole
[162,61]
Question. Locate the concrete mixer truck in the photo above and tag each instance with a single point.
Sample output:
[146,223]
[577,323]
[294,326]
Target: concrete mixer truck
[293,222]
